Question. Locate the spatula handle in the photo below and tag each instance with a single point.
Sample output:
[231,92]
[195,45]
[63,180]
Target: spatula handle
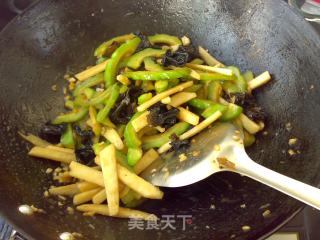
[296,189]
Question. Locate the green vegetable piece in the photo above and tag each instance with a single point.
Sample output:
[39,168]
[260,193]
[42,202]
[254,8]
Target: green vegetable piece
[103,113]
[123,89]
[73,116]
[90,82]
[214,108]
[173,82]
[233,111]
[100,51]
[215,77]
[163,75]
[248,139]
[150,65]
[98,147]
[144,97]
[107,122]
[89,92]
[101,97]
[164,38]
[161,85]
[101,59]
[147,86]
[239,86]
[197,61]
[248,76]
[214,91]
[124,50]
[131,199]
[200,103]
[193,88]
[134,155]
[67,138]
[158,140]
[131,137]
[136,60]
[120,129]
[69,104]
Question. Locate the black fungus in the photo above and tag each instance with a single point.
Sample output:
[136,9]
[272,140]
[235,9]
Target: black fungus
[51,132]
[124,108]
[144,41]
[161,116]
[180,57]
[84,135]
[85,154]
[177,145]
[111,48]
[249,104]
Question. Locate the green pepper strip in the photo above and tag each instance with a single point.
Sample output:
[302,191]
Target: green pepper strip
[144,97]
[67,137]
[248,139]
[131,200]
[164,38]
[194,88]
[158,140]
[240,85]
[230,111]
[150,65]
[130,135]
[214,91]
[104,112]
[71,117]
[90,82]
[163,75]
[136,60]
[124,50]
[248,76]
[100,51]
[134,155]
[215,77]
[200,103]
[100,98]
[161,85]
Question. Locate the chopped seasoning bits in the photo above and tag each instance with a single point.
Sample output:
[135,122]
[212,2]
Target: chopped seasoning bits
[266,213]
[246,228]
[195,153]
[54,87]
[291,152]
[182,157]
[216,147]
[292,141]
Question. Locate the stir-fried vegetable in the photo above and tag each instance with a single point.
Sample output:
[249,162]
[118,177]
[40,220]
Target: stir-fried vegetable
[144,96]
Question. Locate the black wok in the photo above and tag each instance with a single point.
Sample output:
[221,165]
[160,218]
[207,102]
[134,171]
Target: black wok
[54,37]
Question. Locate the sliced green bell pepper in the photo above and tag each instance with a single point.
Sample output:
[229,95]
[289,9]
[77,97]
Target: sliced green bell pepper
[150,65]
[144,97]
[215,77]
[248,76]
[163,75]
[136,59]
[161,85]
[67,138]
[240,85]
[233,111]
[158,140]
[131,137]
[134,155]
[248,139]
[90,82]
[124,50]
[104,112]
[100,51]
[73,116]
[214,108]
[193,88]
[200,103]
[164,38]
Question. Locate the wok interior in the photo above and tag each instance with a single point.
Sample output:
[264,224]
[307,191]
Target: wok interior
[57,37]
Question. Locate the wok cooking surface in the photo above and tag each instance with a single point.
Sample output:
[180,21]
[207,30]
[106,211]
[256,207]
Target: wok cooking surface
[52,56]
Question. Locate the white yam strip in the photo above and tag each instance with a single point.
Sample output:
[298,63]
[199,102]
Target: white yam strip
[86,173]
[249,125]
[194,74]
[210,60]
[187,116]
[123,212]
[140,122]
[113,136]
[260,80]
[160,96]
[90,71]
[34,140]
[166,100]
[85,196]
[61,149]
[181,98]
[138,184]
[124,80]
[193,131]
[145,161]
[100,197]
[85,186]
[223,71]
[52,154]
[109,169]
[68,190]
